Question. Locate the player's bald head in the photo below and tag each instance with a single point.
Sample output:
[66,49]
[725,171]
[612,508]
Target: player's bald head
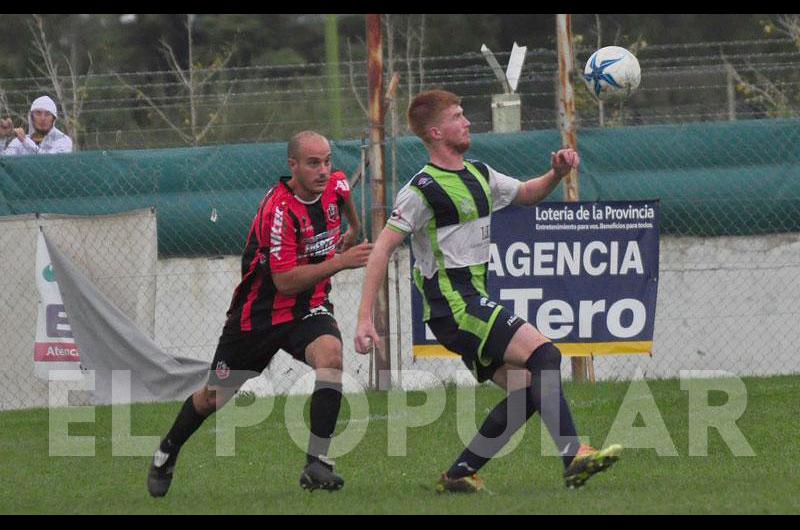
[300,140]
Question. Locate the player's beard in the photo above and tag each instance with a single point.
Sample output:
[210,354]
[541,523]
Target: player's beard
[460,147]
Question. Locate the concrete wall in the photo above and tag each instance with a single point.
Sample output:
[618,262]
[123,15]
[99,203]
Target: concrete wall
[193,296]
[725,303]
[116,252]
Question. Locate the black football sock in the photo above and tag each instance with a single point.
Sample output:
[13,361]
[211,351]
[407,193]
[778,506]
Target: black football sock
[325,404]
[187,422]
[499,426]
[545,367]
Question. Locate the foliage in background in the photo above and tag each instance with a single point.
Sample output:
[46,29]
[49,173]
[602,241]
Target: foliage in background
[274,79]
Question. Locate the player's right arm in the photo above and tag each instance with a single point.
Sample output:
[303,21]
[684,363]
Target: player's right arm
[411,212]
[536,190]
[388,240]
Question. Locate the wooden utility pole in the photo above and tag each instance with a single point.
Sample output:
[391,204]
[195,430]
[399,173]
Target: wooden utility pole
[378,188]
[569,137]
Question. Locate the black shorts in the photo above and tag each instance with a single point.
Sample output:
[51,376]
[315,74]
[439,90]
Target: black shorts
[480,334]
[242,356]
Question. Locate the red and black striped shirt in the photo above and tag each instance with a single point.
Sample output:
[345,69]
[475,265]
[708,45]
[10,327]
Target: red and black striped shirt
[285,233]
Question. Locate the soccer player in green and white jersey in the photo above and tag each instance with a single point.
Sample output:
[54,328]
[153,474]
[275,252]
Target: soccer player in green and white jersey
[446,208]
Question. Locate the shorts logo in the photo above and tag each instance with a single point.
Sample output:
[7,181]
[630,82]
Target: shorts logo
[222,370]
[317,311]
[333,213]
[511,320]
[485,302]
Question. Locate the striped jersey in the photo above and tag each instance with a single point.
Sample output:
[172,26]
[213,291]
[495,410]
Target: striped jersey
[448,214]
[286,232]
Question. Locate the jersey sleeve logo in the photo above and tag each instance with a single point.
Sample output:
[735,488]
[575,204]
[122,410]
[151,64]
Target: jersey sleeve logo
[423,181]
[276,232]
[342,185]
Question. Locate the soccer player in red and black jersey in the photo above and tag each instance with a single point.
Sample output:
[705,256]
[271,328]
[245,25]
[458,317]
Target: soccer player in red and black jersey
[282,303]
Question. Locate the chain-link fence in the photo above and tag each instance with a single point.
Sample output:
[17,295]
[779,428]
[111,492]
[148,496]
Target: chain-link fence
[729,190]
[117,254]
[727,297]
[691,82]
[730,251]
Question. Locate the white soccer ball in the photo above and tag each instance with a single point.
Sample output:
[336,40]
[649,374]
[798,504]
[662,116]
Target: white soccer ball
[612,72]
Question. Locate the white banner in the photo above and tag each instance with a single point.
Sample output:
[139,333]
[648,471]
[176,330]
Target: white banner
[54,347]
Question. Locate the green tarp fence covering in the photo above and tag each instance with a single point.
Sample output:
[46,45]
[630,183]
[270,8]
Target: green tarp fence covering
[713,179]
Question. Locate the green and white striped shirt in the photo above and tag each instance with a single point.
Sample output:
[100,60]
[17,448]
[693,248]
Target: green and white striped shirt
[448,214]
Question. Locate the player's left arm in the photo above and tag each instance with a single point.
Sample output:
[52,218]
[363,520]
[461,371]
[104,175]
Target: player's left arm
[535,190]
[350,237]
[348,208]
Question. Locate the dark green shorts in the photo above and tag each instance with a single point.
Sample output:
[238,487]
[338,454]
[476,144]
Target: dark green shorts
[480,334]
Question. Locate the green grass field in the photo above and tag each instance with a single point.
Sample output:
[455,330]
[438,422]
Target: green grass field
[263,476]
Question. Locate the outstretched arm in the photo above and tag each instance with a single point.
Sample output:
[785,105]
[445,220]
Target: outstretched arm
[535,190]
[304,277]
[388,240]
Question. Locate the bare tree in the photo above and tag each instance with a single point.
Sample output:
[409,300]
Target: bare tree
[71,90]
[756,87]
[409,32]
[352,78]
[760,90]
[421,50]
[404,36]
[193,80]
[789,25]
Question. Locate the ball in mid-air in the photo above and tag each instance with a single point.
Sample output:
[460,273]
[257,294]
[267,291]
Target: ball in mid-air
[612,72]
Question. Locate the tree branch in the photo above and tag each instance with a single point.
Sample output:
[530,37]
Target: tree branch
[214,116]
[169,55]
[409,61]
[765,91]
[44,49]
[217,66]
[352,79]
[185,137]
[266,126]
[421,41]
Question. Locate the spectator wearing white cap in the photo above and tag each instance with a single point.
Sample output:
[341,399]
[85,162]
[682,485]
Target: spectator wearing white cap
[43,137]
